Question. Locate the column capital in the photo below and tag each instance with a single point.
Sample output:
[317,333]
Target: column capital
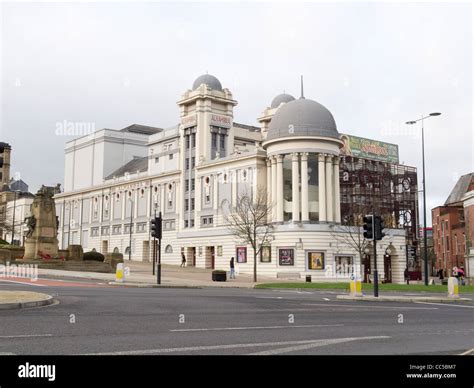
[273,159]
[336,159]
[329,158]
[279,158]
[304,156]
[295,156]
[269,161]
[321,157]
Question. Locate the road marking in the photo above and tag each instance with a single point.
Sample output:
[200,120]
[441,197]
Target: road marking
[326,299]
[6,354]
[30,283]
[467,353]
[223,347]
[359,306]
[314,344]
[256,327]
[25,336]
[269,297]
[447,304]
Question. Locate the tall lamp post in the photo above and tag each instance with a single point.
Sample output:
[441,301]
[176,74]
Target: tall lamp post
[425,244]
[14,211]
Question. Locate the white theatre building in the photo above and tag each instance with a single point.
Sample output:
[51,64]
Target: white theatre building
[193,173]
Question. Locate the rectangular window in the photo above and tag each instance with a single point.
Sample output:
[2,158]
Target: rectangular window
[204,221]
[222,142]
[192,223]
[211,220]
[171,156]
[186,204]
[157,159]
[187,163]
[193,185]
[187,185]
[187,142]
[192,203]
[193,140]
[193,162]
[186,223]
[214,140]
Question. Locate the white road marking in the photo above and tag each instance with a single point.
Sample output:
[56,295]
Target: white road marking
[359,306]
[449,304]
[30,283]
[255,327]
[25,336]
[327,299]
[467,352]
[269,297]
[314,344]
[223,347]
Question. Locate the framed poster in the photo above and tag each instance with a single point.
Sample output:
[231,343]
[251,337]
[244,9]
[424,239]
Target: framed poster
[219,250]
[286,256]
[344,265]
[266,254]
[241,253]
[315,260]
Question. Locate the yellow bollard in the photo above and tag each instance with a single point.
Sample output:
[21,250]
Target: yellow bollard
[356,286]
[119,273]
[453,288]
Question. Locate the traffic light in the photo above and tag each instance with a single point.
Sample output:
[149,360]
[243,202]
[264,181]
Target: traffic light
[378,223]
[368,227]
[156,228]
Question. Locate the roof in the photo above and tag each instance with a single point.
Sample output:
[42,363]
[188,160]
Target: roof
[302,117]
[134,165]
[141,129]
[281,98]
[209,80]
[245,126]
[463,185]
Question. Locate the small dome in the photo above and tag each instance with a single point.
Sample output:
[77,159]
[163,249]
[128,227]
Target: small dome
[209,80]
[302,117]
[281,98]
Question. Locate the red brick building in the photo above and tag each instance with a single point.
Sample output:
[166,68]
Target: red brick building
[453,227]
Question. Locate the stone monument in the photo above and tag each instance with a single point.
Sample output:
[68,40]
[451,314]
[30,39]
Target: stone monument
[41,241]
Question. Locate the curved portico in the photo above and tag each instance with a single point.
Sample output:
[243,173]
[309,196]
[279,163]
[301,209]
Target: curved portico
[303,163]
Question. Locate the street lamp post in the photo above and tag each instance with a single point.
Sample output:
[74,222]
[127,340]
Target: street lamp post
[13,223]
[425,250]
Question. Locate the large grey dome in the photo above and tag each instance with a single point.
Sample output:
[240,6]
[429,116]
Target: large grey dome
[209,80]
[280,99]
[302,117]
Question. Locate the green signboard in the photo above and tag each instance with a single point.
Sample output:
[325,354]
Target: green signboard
[360,147]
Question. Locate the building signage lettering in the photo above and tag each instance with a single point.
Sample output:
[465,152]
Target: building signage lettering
[221,121]
[188,121]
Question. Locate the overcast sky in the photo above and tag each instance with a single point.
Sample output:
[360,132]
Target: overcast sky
[373,65]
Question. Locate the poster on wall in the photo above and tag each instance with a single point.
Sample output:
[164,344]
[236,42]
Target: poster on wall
[266,254]
[315,260]
[286,256]
[241,254]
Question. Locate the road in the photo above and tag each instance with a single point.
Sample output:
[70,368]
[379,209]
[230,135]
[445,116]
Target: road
[99,319]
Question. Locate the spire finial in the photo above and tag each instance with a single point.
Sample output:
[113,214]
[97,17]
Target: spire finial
[302,90]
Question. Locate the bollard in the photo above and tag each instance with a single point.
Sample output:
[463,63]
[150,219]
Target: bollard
[453,288]
[356,286]
[119,273]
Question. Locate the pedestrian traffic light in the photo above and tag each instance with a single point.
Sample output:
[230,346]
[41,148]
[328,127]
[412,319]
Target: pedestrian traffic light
[368,227]
[378,226]
[156,227]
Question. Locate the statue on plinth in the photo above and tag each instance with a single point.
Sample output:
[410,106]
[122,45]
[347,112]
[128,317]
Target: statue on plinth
[41,241]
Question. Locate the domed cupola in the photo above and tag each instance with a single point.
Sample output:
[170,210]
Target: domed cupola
[209,80]
[281,99]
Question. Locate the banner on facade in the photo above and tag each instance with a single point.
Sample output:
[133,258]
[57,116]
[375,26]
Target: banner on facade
[360,147]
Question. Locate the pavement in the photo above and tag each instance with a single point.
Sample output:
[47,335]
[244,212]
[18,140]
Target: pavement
[103,319]
[403,298]
[140,274]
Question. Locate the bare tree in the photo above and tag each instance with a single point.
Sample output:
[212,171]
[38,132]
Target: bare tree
[249,222]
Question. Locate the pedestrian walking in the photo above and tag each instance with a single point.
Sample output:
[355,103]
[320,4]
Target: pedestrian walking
[232,268]
[183,260]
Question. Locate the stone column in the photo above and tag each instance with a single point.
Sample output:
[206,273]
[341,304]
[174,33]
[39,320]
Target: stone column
[295,180]
[329,189]
[269,180]
[274,188]
[233,182]
[215,200]
[322,187]
[304,187]
[280,188]
[337,190]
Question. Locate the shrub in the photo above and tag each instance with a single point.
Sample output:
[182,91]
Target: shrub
[93,256]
